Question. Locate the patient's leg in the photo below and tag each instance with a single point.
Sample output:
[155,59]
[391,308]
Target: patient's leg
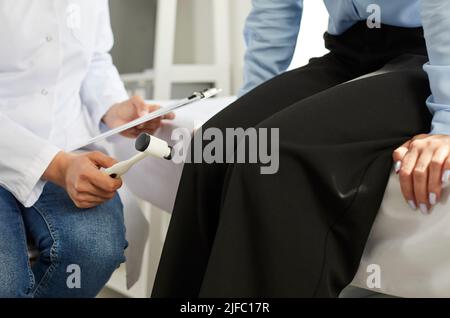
[301,232]
[196,210]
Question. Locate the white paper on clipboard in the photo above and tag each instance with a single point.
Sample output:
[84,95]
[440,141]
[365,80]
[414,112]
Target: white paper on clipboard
[160,112]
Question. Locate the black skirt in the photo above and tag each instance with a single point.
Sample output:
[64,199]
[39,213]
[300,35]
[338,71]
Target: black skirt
[301,232]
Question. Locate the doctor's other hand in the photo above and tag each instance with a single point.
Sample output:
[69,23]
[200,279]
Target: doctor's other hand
[79,174]
[122,113]
[423,165]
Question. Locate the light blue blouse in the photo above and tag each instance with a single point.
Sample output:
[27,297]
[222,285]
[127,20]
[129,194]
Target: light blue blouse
[272,29]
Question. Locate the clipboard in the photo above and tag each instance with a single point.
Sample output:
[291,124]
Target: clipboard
[196,96]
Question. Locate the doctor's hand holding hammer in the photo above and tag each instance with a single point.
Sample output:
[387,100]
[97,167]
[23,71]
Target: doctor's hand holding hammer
[80,174]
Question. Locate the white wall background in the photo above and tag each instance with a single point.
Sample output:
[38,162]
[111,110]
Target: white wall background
[314,24]
[194,31]
[197,48]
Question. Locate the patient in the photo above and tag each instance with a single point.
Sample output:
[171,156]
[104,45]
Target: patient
[301,231]
[56,80]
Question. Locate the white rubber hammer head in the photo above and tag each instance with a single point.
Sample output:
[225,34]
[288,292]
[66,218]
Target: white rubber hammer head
[147,145]
[153,146]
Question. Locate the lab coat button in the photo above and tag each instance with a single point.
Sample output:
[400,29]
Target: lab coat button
[49,38]
[44,92]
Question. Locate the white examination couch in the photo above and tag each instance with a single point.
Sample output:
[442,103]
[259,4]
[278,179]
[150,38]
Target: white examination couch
[412,251]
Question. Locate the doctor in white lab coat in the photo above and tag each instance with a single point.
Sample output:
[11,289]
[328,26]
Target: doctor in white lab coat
[58,86]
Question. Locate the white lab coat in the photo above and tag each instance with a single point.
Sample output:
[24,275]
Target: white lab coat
[57,80]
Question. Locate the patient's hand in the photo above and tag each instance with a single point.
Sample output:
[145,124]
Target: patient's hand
[135,107]
[79,174]
[423,165]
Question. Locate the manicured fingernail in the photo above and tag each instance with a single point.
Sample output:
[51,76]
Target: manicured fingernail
[446,177]
[412,205]
[423,208]
[397,166]
[432,198]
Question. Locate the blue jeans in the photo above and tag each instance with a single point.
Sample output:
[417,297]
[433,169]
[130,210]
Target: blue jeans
[79,249]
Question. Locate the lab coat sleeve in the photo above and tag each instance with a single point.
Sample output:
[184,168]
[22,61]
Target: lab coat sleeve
[102,86]
[24,157]
[436,23]
[271,32]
